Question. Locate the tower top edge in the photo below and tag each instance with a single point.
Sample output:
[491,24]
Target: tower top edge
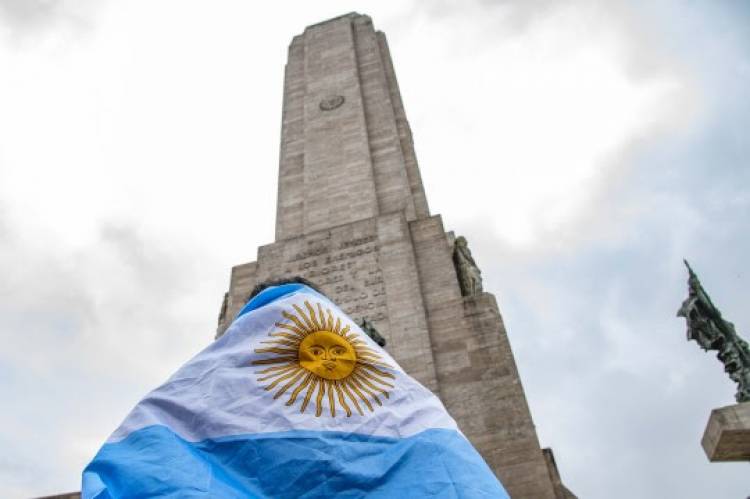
[350,15]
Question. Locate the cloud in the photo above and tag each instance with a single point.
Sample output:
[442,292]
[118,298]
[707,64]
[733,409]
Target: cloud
[24,18]
[85,332]
[546,117]
[24,13]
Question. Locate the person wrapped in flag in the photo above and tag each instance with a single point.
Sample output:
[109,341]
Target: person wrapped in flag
[294,400]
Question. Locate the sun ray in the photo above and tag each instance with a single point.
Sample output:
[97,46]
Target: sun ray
[293,337]
[288,336]
[366,351]
[364,380]
[365,362]
[281,343]
[344,331]
[322,317]
[309,393]
[310,326]
[299,388]
[330,321]
[319,400]
[274,360]
[271,369]
[301,332]
[372,377]
[360,349]
[354,388]
[331,401]
[313,317]
[362,352]
[296,321]
[376,370]
[279,373]
[291,383]
[341,398]
[281,378]
[372,363]
[359,385]
[351,397]
[276,350]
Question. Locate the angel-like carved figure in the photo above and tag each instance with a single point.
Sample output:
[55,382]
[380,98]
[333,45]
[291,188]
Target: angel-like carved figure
[469,275]
[370,331]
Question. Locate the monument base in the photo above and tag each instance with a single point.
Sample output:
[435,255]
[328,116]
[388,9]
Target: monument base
[727,435]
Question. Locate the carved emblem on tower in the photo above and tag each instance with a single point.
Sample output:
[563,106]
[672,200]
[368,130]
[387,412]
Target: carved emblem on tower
[331,102]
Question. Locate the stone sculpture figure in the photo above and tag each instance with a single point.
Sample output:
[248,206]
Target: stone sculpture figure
[370,331]
[469,275]
[224,305]
[706,326]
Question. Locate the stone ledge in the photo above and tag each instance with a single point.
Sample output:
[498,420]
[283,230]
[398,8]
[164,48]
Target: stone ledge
[727,435]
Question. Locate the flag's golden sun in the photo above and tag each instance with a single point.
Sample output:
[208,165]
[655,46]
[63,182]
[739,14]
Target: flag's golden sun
[312,358]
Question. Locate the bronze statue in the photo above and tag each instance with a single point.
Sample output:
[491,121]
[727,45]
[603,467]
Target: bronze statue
[370,331]
[706,326]
[469,275]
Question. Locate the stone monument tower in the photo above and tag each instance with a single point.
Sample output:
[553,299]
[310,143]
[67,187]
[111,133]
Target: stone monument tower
[352,217]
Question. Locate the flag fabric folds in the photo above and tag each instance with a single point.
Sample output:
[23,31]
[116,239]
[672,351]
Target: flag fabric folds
[294,400]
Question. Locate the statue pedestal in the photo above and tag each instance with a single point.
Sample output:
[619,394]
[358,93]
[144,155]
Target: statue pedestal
[727,435]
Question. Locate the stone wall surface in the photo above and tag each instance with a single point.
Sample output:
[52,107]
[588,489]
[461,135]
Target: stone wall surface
[342,107]
[727,434]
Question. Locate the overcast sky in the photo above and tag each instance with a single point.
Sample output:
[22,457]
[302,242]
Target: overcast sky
[584,148]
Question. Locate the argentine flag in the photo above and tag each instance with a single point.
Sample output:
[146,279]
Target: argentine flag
[294,400]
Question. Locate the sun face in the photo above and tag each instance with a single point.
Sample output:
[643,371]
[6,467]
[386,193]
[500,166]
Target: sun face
[314,358]
[327,354]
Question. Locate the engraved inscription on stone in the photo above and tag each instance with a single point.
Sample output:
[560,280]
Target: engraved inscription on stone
[347,271]
[331,102]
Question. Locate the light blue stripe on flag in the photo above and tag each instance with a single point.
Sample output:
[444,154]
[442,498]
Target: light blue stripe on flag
[433,463]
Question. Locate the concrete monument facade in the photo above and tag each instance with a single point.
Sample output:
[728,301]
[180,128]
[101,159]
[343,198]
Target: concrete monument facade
[352,217]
